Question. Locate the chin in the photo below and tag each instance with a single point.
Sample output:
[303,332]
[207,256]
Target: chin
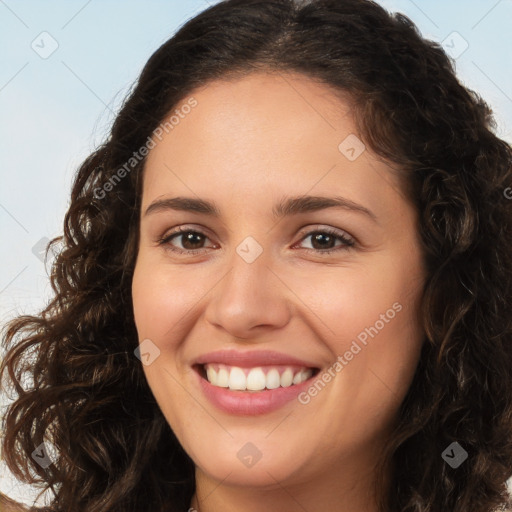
[259,463]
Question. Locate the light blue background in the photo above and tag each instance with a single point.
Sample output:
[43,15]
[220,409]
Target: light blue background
[54,111]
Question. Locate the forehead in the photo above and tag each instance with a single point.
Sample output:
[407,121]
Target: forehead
[268,111]
[286,91]
[265,133]
[264,105]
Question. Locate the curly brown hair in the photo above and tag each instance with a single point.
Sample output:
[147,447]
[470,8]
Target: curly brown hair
[86,390]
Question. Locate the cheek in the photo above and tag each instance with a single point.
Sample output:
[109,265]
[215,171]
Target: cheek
[344,302]
[371,317]
[161,299]
[380,336]
[160,304]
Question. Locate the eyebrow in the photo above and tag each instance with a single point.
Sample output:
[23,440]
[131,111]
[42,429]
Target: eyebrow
[286,207]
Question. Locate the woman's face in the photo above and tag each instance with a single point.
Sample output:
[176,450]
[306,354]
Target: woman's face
[247,294]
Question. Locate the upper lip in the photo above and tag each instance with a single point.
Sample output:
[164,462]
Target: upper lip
[251,359]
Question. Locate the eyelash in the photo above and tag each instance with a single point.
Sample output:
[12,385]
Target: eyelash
[348,243]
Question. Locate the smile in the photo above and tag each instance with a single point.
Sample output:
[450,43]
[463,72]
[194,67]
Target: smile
[252,383]
[255,379]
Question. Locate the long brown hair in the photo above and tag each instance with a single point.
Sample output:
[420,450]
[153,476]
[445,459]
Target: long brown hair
[86,390]
[8,505]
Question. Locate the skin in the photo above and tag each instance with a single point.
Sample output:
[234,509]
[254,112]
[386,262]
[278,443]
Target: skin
[249,143]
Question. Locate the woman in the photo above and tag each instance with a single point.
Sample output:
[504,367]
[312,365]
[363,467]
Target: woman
[285,282]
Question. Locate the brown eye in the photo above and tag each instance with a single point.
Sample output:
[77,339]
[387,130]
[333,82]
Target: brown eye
[324,241]
[191,241]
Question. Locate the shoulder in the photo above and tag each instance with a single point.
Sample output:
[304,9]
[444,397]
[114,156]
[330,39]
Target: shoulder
[8,505]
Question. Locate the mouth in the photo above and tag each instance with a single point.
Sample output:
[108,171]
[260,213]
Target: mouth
[248,390]
[256,379]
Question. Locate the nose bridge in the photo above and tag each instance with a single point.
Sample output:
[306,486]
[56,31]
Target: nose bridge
[250,279]
[249,295]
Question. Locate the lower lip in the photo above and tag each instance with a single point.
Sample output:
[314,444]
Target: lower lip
[247,403]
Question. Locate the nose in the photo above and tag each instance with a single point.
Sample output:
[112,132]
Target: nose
[249,299]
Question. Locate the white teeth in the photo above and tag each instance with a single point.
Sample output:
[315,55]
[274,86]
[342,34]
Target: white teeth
[256,380]
[273,379]
[297,378]
[237,379]
[222,378]
[302,376]
[286,378]
[211,374]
